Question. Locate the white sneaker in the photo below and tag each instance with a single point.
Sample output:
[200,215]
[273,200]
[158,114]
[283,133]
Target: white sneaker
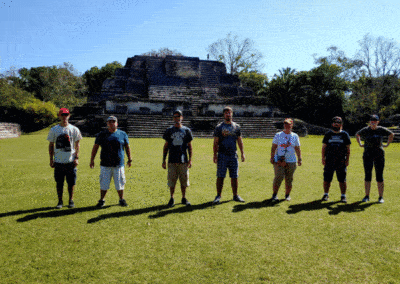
[380,200]
[217,199]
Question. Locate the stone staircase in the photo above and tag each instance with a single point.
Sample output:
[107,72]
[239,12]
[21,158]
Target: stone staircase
[9,130]
[396,135]
[152,126]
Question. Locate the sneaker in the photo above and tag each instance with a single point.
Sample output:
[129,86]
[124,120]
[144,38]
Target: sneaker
[171,202]
[274,198]
[185,202]
[325,197]
[217,199]
[287,197]
[71,204]
[365,199]
[59,205]
[237,198]
[343,199]
[100,204]
[380,200]
[122,202]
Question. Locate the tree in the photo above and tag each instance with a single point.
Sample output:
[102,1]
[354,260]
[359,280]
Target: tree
[255,80]
[95,77]
[162,52]
[237,54]
[58,84]
[350,68]
[379,56]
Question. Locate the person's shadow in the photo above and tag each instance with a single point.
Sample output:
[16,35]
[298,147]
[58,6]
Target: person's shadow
[20,212]
[257,205]
[185,209]
[310,206]
[351,208]
[57,213]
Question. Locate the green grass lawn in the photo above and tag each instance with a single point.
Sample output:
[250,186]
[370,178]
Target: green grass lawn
[301,241]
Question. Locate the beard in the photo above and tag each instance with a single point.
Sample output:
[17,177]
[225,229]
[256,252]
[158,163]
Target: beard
[336,129]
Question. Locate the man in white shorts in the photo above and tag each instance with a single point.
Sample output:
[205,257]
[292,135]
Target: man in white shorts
[113,142]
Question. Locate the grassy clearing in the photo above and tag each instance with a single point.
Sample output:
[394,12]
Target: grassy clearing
[301,241]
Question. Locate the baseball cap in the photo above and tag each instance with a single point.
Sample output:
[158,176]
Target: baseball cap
[177,112]
[63,110]
[337,119]
[374,117]
[288,121]
[112,118]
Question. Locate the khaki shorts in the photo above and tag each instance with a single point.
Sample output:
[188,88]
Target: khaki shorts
[176,171]
[284,173]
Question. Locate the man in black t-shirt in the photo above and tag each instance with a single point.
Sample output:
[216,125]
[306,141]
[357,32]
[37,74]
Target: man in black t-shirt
[178,143]
[335,157]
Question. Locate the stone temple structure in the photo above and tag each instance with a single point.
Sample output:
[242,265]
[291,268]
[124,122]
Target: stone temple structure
[144,93]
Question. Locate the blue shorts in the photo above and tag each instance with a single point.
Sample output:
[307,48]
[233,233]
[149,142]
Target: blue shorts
[65,171]
[227,162]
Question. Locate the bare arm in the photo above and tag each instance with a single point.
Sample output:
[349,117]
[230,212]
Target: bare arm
[358,138]
[215,149]
[77,147]
[240,144]
[298,153]
[94,152]
[128,153]
[190,150]
[323,153]
[51,154]
[390,140]
[165,153]
[347,155]
[273,150]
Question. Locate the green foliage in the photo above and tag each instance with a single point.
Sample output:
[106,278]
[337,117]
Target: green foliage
[301,241]
[95,77]
[255,80]
[58,84]
[162,52]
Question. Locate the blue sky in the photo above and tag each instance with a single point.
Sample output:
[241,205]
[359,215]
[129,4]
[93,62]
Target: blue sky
[91,33]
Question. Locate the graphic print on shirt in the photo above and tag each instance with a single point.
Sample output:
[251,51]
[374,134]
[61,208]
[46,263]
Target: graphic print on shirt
[177,138]
[283,151]
[63,143]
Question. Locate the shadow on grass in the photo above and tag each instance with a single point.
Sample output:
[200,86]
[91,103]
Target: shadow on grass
[185,209]
[351,208]
[256,205]
[58,213]
[310,206]
[133,212]
[20,212]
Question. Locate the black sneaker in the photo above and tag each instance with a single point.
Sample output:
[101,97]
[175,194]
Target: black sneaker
[59,205]
[274,198]
[237,198]
[100,204]
[171,202]
[343,199]
[185,202]
[365,199]
[71,204]
[123,203]
[325,197]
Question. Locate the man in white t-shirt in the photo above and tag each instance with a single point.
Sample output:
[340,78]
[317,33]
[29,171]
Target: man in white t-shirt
[64,154]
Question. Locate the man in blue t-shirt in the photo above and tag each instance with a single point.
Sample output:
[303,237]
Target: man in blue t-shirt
[226,135]
[113,142]
[335,157]
[178,144]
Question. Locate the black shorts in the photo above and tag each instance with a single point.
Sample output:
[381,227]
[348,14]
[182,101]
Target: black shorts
[65,171]
[341,172]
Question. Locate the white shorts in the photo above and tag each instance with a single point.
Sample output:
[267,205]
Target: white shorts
[117,173]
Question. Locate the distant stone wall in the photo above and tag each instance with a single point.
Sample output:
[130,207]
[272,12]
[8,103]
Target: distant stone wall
[9,130]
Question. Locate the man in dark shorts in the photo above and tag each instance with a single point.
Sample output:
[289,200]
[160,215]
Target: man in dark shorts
[64,141]
[226,135]
[178,144]
[335,157]
[374,155]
